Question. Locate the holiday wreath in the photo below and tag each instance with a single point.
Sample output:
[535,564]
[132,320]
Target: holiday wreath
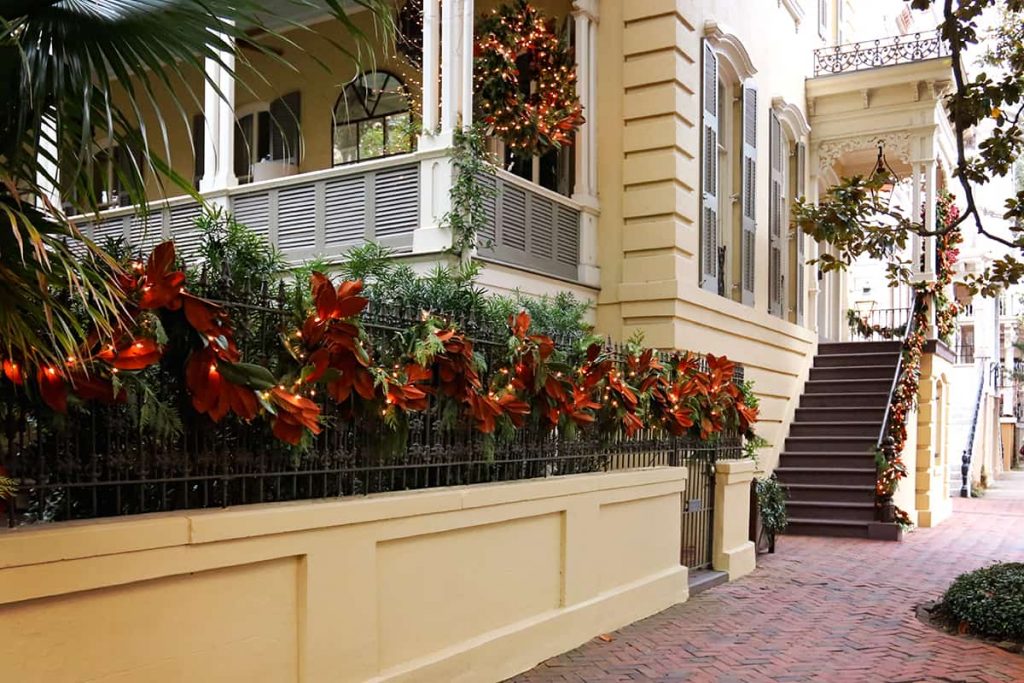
[526,80]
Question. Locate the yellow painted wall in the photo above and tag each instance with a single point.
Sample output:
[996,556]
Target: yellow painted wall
[467,583]
[649,116]
[931,457]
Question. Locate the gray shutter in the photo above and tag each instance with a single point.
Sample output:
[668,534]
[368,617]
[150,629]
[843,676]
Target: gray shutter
[776,281]
[285,114]
[199,146]
[801,266]
[709,275]
[748,193]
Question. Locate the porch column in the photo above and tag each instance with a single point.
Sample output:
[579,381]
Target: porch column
[443,48]
[431,63]
[915,208]
[466,63]
[219,111]
[928,243]
[585,191]
[450,74]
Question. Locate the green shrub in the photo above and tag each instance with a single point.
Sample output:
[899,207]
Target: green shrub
[771,501]
[988,601]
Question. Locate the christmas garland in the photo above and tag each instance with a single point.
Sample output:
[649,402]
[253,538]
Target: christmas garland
[947,254]
[516,42]
[617,395]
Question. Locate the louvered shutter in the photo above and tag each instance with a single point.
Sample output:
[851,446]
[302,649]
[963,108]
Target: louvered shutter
[709,275]
[199,147]
[748,194]
[801,266]
[776,282]
[285,114]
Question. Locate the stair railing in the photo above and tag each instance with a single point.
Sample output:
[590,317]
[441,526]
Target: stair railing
[886,444]
[965,459]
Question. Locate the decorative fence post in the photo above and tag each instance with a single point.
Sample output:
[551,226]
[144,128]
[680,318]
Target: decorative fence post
[733,552]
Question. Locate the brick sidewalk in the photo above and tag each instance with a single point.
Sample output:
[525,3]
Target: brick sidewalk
[820,609]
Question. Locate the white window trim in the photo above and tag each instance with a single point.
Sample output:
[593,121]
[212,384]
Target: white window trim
[730,49]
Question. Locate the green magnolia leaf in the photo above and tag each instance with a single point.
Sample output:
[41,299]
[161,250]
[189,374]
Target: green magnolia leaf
[247,375]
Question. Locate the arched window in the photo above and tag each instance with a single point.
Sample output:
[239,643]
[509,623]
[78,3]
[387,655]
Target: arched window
[371,119]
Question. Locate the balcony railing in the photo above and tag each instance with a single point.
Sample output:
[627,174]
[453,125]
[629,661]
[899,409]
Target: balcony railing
[870,54]
[323,213]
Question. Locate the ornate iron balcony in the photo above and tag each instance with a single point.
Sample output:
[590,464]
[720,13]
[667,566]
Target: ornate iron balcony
[869,54]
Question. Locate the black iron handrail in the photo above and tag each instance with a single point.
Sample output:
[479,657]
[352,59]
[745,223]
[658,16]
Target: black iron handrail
[907,330]
[965,459]
[869,54]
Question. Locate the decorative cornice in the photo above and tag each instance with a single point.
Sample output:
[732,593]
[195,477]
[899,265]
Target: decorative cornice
[730,47]
[895,143]
[790,116]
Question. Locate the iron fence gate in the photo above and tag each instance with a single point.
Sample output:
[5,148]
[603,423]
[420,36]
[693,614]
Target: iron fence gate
[698,508]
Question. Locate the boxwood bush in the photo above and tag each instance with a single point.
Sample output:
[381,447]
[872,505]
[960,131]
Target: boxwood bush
[988,601]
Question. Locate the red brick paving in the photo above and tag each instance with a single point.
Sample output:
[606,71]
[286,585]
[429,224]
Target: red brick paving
[820,609]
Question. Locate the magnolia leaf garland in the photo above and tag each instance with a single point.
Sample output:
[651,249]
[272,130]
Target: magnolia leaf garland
[625,394]
[525,77]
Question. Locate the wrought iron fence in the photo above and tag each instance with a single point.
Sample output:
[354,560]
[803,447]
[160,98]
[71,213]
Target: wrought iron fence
[698,512]
[103,460]
[869,54]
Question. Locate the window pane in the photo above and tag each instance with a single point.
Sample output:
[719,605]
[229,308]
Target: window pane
[243,140]
[399,134]
[371,139]
[345,144]
[263,136]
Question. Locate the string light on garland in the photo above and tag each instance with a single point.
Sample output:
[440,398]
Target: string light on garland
[525,77]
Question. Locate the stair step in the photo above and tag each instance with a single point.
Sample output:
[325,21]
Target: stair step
[832,428]
[843,348]
[840,414]
[844,528]
[874,385]
[828,509]
[826,460]
[842,493]
[854,372]
[846,360]
[852,399]
[832,444]
[846,476]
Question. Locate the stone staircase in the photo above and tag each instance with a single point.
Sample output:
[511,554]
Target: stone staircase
[828,463]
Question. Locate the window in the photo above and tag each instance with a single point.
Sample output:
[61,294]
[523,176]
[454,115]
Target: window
[728,218]
[111,169]
[252,139]
[823,19]
[372,120]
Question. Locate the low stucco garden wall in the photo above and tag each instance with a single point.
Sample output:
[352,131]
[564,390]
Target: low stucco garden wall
[460,584]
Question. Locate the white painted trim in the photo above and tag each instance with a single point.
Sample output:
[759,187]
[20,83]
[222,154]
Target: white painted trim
[792,118]
[730,48]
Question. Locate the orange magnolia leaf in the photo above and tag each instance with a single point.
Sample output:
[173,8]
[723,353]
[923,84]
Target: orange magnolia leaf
[161,287]
[52,388]
[295,415]
[12,370]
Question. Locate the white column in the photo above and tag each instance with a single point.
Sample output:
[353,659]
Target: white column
[48,177]
[431,63]
[450,76]
[585,191]
[812,317]
[466,64]
[915,208]
[928,244]
[219,137]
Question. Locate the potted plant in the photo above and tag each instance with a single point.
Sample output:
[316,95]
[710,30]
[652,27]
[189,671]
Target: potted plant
[770,510]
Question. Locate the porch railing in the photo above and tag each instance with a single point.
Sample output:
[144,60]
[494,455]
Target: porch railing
[326,212]
[530,226]
[870,54]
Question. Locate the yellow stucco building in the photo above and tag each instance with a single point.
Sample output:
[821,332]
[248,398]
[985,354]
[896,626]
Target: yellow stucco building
[705,121]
